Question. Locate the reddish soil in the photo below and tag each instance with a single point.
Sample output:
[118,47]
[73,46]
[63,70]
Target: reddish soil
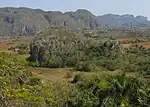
[5,44]
[125,38]
[2,45]
[146,45]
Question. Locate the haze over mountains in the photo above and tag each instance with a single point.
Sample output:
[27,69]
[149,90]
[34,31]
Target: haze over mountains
[25,21]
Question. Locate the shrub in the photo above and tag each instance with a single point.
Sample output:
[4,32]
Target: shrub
[34,81]
[86,66]
[114,91]
[22,52]
[34,64]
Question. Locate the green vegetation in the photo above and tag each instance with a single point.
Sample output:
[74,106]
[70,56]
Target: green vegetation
[111,91]
[18,86]
[61,48]
[67,69]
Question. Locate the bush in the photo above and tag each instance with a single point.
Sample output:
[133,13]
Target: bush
[86,66]
[89,67]
[119,90]
[34,64]
[34,81]
[22,52]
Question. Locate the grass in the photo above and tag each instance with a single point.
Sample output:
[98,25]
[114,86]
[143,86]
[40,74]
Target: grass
[52,75]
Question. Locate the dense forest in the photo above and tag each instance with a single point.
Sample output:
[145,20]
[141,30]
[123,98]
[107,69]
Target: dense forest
[103,73]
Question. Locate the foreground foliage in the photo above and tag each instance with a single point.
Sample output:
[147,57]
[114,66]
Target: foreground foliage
[18,86]
[111,91]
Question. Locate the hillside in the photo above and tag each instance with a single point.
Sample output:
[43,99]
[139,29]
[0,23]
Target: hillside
[21,21]
[25,21]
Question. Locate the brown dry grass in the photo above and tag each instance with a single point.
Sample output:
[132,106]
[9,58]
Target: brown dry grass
[126,45]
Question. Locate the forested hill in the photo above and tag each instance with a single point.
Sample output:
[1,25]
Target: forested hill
[25,21]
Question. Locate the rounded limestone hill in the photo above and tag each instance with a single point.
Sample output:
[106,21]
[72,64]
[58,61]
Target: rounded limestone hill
[57,47]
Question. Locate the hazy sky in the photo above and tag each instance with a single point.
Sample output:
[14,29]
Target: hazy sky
[98,7]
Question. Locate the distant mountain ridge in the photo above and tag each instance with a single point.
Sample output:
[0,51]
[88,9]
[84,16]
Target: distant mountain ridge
[26,21]
[126,20]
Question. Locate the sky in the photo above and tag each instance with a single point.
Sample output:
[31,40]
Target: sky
[97,7]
